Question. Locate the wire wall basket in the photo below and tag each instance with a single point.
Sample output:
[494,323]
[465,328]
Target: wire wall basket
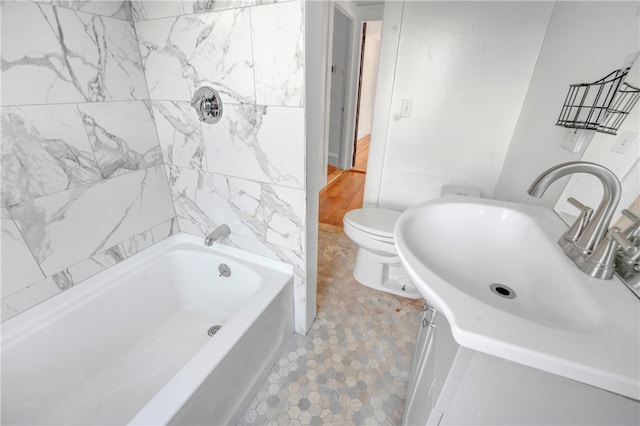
[601,106]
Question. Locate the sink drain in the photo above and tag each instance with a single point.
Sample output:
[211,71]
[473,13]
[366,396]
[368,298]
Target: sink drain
[213,330]
[503,290]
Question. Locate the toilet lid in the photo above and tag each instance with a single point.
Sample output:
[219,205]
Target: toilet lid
[375,221]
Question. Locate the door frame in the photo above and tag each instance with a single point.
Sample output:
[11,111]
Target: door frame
[359,14]
[340,118]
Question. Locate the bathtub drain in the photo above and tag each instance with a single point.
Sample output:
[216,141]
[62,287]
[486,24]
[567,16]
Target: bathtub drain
[213,330]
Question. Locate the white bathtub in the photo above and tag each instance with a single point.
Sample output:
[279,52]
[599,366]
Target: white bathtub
[130,345]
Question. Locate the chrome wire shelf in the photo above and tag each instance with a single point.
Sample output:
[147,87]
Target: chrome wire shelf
[601,106]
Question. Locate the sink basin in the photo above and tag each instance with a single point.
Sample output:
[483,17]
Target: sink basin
[497,256]
[495,271]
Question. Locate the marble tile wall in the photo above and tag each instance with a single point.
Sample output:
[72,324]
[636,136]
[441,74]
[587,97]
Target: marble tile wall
[96,119]
[83,181]
[247,171]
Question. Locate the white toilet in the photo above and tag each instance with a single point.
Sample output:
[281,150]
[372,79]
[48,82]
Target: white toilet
[377,263]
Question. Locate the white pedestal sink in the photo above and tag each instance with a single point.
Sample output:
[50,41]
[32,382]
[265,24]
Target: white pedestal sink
[495,271]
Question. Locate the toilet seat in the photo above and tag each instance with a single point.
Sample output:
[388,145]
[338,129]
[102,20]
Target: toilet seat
[378,223]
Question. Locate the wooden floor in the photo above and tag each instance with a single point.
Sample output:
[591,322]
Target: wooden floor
[362,153]
[344,188]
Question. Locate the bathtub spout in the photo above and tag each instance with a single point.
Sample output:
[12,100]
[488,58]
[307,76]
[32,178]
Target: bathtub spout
[221,231]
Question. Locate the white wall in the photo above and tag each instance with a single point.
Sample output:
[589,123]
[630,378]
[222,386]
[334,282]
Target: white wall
[369,77]
[467,66]
[585,41]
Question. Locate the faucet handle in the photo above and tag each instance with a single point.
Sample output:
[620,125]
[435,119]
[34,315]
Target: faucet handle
[618,236]
[634,225]
[601,263]
[581,222]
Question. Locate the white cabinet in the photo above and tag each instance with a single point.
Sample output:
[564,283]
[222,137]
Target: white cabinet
[450,384]
[419,401]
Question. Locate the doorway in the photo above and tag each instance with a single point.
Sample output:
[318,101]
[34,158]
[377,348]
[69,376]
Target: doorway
[367,76]
[349,132]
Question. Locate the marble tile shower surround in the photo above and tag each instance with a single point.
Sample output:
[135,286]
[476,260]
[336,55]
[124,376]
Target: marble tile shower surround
[83,185]
[179,134]
[102,105]
[45,149]
[142,10]
[65,56]
[180,55]
[61,228]
[248,170]
[259,143]
[70,235]
[120,9]
[123,136]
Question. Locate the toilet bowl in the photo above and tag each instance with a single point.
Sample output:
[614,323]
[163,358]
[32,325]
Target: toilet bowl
[377,263]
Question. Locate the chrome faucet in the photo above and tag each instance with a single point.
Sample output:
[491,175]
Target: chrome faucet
[221,231]
[589,244]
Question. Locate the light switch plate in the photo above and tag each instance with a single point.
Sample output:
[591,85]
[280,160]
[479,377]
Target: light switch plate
[407,108]
[624,141]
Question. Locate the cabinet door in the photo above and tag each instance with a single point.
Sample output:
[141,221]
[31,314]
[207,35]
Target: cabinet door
[419,400]
[448,352]
[420,348]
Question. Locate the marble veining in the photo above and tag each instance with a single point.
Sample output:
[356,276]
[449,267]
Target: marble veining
[179,133]
[44,150]
[251,142]
[150,9]
[184,53]
[198,6]
[88,267]
[83,184]
[149,237]
[284,210]
[279,72]
[122,135]
[143,10]
[210,200]
[248,170]
[23,269]
[33,294]
[91,137]
[252,209]
[39,289]
[67,56]
[64,228]
[120,9]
